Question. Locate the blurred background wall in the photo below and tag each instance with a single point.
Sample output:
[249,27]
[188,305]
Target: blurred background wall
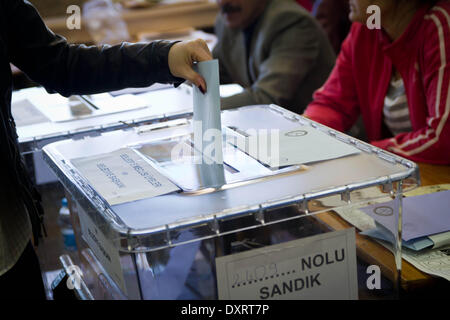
[54,8]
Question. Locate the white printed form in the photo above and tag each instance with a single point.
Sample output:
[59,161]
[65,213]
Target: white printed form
[318,267]
[123,176]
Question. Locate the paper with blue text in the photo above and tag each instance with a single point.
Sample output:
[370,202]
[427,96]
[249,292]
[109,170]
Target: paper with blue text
[123,176]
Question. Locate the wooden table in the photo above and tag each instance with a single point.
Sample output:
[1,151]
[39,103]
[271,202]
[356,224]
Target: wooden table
[374,253]
[157,18]
[432,174]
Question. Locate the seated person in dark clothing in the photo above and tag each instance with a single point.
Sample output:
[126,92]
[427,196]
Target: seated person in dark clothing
[333,17]
[273,48]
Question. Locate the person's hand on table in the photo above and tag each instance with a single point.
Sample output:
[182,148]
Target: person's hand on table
[182,56]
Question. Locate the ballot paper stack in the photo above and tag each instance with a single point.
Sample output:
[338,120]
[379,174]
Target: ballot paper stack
[425,232]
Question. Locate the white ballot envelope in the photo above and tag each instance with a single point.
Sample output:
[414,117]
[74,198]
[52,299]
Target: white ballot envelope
[207,123]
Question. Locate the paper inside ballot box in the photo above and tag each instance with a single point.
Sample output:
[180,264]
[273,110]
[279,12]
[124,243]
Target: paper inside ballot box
[123,176]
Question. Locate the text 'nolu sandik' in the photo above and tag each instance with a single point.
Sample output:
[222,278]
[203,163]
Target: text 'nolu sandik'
[307,281]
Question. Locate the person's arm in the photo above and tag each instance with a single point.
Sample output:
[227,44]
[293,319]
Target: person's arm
[293,54]
[78,69]
[430,144]
[336,103]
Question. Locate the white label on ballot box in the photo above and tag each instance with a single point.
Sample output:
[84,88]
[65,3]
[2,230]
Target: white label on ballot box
[302,145]
[103,249]
[318,267]
[123,176]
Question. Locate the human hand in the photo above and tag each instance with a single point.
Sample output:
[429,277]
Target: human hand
[182,56]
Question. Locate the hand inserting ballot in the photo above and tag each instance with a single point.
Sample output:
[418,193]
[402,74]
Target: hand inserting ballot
[182,56]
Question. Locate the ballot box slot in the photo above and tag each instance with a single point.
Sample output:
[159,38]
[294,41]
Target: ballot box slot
[162,125]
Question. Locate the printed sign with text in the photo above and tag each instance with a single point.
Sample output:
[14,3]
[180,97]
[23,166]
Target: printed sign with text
[318,267]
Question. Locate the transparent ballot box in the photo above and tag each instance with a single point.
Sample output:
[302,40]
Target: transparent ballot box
[42,118]
[278,217]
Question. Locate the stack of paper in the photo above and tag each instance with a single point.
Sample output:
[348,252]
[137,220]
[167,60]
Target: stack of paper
[426,221]
[429,253]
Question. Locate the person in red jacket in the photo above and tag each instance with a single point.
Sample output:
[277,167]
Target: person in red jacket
[396,77]
[307,4]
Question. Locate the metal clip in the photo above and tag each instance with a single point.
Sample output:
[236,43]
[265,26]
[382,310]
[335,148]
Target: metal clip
[259,216]
[303,205]
[214,225]
[168,239]
[345,196]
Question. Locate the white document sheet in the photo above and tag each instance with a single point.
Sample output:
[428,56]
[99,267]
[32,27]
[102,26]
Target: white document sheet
[435,261]
[25,113]
[207,122]
[302,145]
[123,176]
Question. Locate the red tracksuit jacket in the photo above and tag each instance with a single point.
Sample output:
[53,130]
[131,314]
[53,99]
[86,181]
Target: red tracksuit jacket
[361,77]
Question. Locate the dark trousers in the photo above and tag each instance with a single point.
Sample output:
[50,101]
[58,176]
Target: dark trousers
[24,279]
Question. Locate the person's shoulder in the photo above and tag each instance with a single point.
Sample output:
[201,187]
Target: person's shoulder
[442,5]
[436,23]
[362,32]
[361,40]
[438,14]
[219,23]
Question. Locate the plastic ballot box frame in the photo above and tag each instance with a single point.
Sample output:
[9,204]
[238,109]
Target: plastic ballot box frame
[163,104]
[166,247]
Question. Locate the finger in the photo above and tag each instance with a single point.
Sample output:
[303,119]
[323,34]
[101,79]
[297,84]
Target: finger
[200,51]
[195,78]
[205,47]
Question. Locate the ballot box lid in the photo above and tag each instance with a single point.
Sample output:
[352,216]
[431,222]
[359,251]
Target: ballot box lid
[154,223]
[34,109]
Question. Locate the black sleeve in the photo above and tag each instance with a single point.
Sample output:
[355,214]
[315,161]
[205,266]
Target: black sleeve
[79,69]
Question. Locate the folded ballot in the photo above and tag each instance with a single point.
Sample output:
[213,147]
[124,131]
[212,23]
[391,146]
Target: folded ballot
[207,120]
